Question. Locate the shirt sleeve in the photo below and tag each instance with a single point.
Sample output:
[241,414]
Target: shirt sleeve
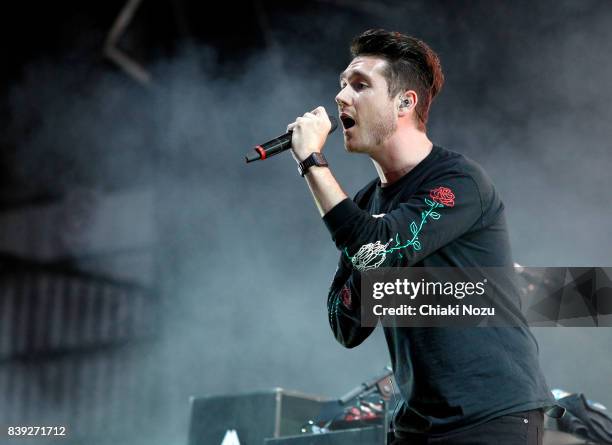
[435,215]
[344,307]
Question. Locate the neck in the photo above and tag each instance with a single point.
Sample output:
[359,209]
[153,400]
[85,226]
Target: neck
[400,153]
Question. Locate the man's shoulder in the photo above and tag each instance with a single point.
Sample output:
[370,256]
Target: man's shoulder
[466,169]
[452,163]
[447,165]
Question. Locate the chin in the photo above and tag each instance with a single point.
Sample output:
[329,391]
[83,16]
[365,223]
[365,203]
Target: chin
[351,147]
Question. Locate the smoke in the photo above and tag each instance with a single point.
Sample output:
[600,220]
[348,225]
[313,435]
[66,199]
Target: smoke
[244,261]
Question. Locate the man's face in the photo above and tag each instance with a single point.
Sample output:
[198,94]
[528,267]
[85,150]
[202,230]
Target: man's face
[367,112]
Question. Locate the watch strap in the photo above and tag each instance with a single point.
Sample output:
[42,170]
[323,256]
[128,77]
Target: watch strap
[315,159]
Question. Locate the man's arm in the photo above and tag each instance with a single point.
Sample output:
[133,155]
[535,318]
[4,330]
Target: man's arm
[343,301]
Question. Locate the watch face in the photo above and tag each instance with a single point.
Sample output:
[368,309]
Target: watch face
[319,159]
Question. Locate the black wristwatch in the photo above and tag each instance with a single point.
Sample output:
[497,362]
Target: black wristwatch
[314,159]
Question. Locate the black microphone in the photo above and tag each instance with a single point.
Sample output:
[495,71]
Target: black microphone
[279,144]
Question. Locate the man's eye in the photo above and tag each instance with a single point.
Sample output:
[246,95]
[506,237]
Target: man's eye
[360,86]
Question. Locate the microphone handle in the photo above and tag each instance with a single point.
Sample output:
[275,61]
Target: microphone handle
[276,145]
[270,148]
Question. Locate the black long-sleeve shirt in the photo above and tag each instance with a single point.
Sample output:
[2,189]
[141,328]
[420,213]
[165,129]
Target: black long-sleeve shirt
[444,213]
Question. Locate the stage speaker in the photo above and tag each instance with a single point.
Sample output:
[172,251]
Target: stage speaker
[254,416]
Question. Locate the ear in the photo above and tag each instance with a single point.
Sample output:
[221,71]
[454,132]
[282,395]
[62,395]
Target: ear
[407,102]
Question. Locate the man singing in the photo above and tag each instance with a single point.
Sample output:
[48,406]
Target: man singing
[459,386]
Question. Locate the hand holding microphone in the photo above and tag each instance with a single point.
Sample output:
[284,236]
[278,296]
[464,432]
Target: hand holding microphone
[305,136]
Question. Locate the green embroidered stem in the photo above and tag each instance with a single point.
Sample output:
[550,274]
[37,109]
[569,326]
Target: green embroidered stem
[416,230]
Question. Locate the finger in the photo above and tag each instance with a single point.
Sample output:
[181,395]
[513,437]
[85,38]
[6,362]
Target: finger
[309,115]
[291,125]
[319,111]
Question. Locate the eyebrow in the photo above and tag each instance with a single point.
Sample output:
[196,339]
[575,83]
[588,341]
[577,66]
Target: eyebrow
[353,73]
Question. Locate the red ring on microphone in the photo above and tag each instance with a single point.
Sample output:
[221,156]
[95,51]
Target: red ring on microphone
[262,153]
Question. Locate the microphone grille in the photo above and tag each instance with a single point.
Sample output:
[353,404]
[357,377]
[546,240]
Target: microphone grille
[334,123]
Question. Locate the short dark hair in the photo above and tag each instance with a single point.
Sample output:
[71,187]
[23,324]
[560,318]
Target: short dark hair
[411,64]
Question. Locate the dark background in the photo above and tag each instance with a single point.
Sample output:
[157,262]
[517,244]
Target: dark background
[143,262]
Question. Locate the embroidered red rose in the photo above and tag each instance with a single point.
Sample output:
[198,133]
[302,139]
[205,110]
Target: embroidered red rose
[345,296]
[443,195]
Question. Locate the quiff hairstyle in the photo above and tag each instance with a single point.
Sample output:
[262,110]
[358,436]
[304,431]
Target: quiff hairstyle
[411,65]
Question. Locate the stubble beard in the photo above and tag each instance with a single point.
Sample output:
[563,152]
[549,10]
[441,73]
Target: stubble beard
[383,129]
[380,132]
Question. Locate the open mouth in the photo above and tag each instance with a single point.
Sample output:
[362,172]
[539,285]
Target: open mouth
[347,121]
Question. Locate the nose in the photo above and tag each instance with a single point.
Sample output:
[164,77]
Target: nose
[342,98]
